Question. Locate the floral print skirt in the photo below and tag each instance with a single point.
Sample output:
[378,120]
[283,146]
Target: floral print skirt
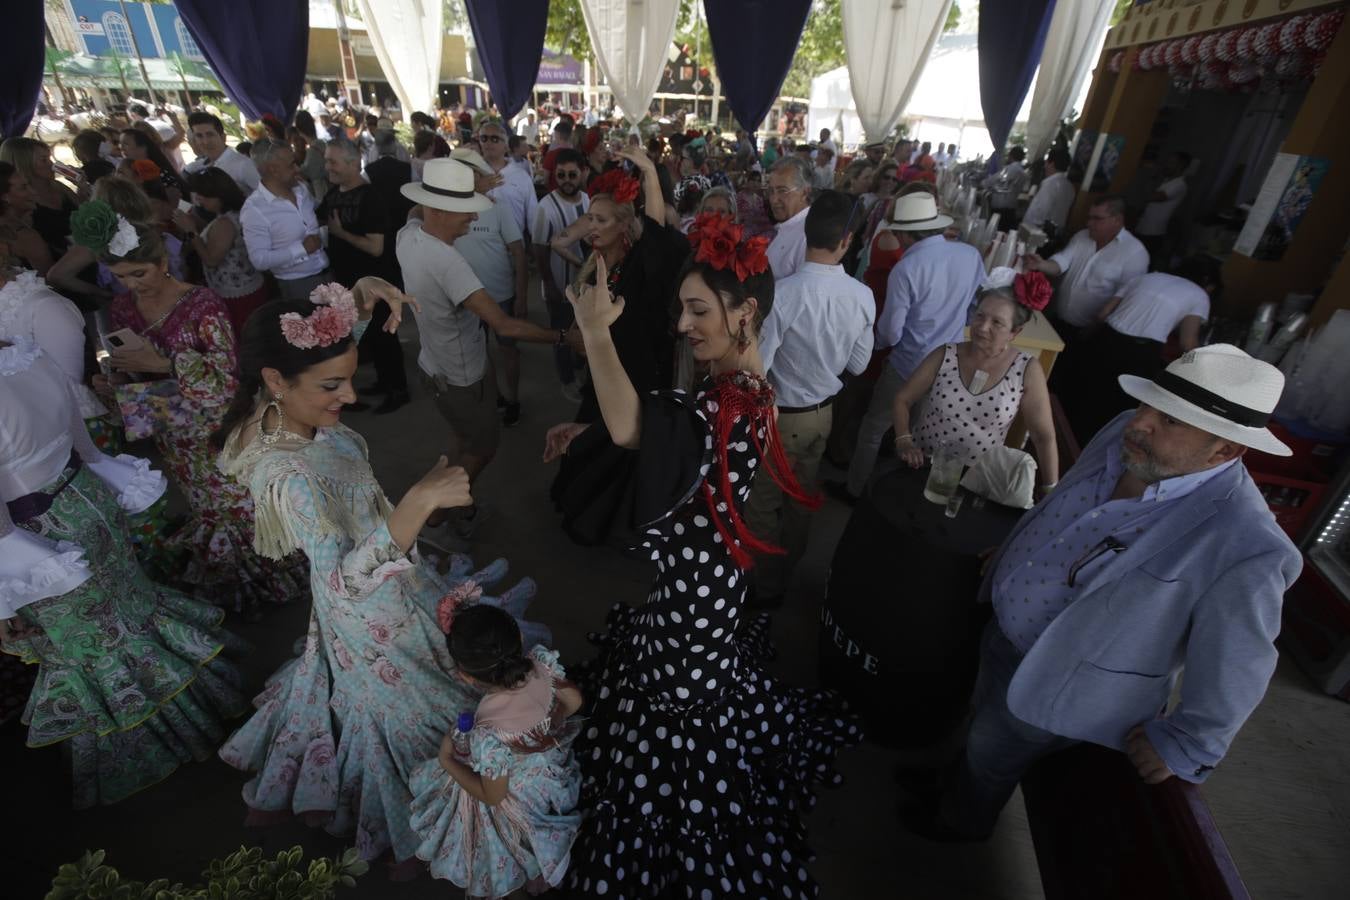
[130,674]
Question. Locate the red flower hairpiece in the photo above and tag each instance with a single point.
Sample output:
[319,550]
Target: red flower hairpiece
[1032,290]
[717,240]
[461,595]
[144,170]
[616,183]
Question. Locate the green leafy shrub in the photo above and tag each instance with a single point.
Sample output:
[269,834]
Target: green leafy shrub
[243,875]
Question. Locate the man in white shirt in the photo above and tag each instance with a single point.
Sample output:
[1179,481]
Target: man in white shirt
[208,139]
[312,104]
[928,299]
[495,250]
[1054,197]
[1134,328]
[1096,265]
[1006,187]
[826,144]
[516,191]
[820,324]
[559,209]
[789,191]
[454,307]
[527,126]
[822,176]
[281,229]
[1157,215]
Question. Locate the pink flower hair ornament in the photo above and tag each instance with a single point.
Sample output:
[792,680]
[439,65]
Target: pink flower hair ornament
[331,322]
[463,594]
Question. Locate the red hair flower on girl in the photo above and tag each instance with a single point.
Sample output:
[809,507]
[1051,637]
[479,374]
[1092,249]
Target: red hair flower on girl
[1033,290]
[616,183]
[716,240]
[465,593]
[330,323]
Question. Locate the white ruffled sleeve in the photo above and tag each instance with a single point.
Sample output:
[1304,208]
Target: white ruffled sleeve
[137,485]
[33,568]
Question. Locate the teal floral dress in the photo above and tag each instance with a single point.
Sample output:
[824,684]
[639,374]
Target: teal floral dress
[526,840]
[339,730]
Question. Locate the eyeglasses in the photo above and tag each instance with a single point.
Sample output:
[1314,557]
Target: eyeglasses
[491,138]
[781,191]
[567,176]
[1105,545]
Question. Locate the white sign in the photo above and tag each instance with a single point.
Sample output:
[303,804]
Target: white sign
[1263,208]
[89,28]
[362,46]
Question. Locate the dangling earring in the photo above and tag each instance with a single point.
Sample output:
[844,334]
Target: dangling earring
[742,339]
[271,437]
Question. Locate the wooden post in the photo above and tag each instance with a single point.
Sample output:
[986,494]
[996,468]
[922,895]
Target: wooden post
[351,83]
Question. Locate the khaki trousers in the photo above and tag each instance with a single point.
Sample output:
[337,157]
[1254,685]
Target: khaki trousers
[773,516]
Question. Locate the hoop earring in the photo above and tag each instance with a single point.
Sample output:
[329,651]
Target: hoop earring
[271,437]
[742,339]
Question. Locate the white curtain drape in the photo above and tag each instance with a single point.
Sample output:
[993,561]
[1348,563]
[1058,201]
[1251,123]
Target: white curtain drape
[1072,45]
[406,35]
[888,42]
[631,39]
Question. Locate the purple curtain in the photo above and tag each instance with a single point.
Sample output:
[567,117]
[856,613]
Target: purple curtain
[21,76]
[257,48]
[753,43]
[510,38]
[1012,35]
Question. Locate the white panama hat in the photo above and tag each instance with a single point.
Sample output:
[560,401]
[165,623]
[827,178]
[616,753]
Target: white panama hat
[472,157]
[916,212]
[1218,389]
[447,184]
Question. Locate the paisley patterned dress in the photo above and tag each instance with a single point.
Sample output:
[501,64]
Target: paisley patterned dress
[339,730]
[217,540]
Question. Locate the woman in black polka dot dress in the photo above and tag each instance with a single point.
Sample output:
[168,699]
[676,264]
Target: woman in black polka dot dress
[698,765]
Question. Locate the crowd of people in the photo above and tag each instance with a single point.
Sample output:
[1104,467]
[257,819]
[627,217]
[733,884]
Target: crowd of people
[724,321]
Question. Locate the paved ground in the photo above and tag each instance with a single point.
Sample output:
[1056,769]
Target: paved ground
[1282,798]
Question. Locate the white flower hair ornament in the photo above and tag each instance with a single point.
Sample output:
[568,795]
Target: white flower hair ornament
[125,239]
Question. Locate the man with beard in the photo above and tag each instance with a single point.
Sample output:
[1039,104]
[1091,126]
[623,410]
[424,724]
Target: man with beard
[559,209]
[1156,553]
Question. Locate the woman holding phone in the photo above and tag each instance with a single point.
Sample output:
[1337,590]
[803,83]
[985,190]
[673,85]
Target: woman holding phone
[179,336]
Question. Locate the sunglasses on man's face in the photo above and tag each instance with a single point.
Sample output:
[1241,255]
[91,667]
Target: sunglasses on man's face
[491,138]
[568,176]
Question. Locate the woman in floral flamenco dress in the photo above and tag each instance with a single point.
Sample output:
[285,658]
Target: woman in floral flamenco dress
[339,730]
[698,765]
[130,676]
[187,356]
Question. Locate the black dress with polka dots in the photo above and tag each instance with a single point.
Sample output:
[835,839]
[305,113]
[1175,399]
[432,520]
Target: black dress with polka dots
[698,766]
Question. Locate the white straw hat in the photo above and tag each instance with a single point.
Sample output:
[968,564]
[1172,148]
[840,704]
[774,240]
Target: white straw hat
[1218,389]
[472,157]
[916,212]
[447,184]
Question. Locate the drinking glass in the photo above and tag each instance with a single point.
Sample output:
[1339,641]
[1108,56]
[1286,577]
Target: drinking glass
[944,476]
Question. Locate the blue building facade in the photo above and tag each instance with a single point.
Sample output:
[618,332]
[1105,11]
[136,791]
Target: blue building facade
[158,28]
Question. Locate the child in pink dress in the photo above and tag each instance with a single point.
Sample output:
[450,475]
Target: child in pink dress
[496,810]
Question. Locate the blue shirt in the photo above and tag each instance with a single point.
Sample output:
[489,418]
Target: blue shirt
[1083,528]
[928,298]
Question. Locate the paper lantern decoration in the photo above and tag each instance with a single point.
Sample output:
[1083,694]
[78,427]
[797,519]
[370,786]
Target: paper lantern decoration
[1145,59]
[1244,73]
[1208,43]
[1213,76]
[1172,53]
[1291,34]
[1267,43]
[1246,43]
[1226,49]
[1116,60]
[1321,31]
[1293,66]
[1190,48]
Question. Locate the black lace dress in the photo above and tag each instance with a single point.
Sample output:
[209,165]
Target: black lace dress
[698,765]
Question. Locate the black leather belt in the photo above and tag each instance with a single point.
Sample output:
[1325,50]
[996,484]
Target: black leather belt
[793,410]
[30,506]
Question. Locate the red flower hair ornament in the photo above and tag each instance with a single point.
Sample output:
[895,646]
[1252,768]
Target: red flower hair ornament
[717,241]
[145,170]
[616,183]
[1032,290]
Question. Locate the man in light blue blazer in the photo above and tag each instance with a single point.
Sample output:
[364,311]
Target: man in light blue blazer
[1155,554]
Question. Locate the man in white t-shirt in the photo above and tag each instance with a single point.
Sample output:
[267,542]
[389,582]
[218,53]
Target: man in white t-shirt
[557,267]
[1095,266]
[1054,196]
[1134,328]
[454,305]
[826,143]
[208,139]
[495,250]
[527,126]
[1157,215]
[516,192]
